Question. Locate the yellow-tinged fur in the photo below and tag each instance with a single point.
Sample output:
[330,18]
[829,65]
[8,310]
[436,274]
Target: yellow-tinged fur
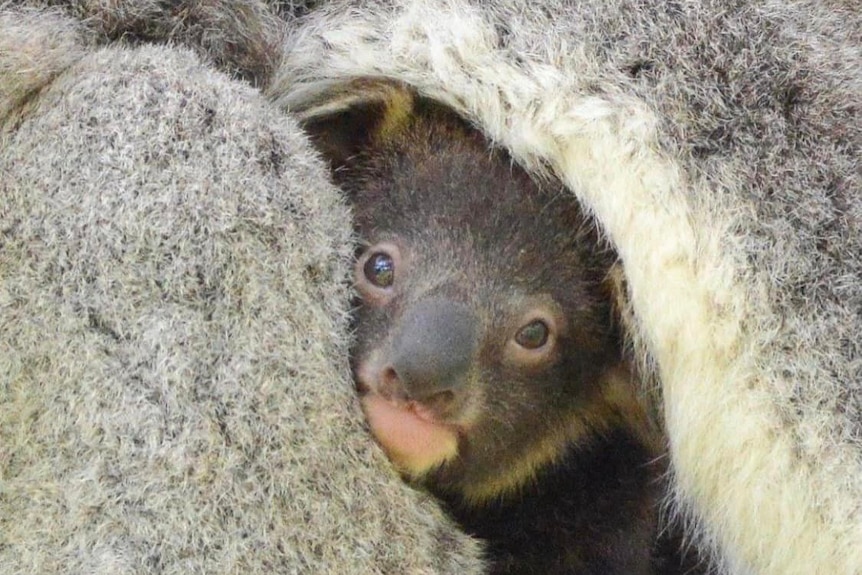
[616,406]
[705,321]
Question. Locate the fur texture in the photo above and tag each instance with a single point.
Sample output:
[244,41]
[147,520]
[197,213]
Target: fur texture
[716,142]
[174,386]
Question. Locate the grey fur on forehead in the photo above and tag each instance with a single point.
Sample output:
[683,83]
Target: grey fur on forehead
[173,391]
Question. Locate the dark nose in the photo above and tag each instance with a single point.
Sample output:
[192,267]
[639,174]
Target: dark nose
[433,348]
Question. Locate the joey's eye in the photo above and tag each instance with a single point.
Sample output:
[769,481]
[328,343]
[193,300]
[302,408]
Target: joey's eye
[380,270]
[533,335]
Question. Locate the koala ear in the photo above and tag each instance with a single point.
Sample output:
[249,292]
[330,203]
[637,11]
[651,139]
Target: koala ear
[347,118]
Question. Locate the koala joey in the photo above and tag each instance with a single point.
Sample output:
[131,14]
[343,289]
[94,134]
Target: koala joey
[487,356]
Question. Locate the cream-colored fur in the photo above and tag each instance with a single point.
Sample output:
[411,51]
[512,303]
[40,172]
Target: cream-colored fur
[746,472]
[716,143]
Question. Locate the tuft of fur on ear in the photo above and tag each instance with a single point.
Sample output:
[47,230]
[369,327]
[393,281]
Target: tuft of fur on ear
[346,118]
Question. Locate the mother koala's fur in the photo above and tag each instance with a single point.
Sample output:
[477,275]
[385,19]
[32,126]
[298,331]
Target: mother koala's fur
[172,367]
[174,386]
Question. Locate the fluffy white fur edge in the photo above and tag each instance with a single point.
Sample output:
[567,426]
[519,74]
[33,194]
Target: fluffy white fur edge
[734,462]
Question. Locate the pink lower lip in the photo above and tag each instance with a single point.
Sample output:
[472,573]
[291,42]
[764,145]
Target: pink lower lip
[409,434]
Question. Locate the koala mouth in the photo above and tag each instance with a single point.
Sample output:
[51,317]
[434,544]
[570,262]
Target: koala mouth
[410,435]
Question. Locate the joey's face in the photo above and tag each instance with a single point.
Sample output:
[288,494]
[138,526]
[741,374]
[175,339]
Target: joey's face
[470,378]
[483,328]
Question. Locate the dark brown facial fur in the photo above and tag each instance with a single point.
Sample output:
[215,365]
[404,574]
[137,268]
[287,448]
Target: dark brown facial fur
[487,355]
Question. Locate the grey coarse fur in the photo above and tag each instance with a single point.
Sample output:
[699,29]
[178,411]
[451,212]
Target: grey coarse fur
[174,389]
[173,326]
